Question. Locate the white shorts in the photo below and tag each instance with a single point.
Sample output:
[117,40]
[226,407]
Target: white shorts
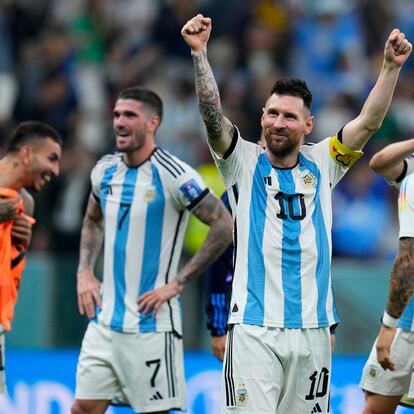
[398,382]
[274,370]
[142,370]
[3,388]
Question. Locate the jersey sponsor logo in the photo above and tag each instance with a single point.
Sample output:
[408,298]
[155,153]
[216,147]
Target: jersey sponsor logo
[150,194]
[242,397]
[190,190]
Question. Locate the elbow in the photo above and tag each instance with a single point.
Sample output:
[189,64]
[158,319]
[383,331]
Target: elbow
[375,164]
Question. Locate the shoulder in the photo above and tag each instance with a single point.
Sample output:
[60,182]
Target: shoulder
[106,162]
[170,165]
[28,202]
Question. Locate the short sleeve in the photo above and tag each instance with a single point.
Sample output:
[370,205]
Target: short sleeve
[406,207]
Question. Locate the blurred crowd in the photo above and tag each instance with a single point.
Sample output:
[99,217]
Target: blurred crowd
[64,62]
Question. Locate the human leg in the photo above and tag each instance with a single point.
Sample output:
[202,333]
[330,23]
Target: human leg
[380,404]
[89,406]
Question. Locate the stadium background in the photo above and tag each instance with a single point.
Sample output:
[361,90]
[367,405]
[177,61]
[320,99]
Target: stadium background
[63,62]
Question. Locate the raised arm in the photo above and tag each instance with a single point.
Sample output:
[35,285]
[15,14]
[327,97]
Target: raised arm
[196,33]
[212,212]
[357,132]
[88,285]
[389,162]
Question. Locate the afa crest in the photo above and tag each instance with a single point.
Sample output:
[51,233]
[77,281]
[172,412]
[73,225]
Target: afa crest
[150,194]
[242,397]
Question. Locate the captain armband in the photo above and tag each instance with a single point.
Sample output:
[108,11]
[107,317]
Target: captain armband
[343,155]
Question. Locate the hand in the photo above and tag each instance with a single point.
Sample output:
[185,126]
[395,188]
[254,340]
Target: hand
[88,287]
[397,48]
[155,298]
[196,32]
[22,230]
[384,341]
[218,346]
[9,207]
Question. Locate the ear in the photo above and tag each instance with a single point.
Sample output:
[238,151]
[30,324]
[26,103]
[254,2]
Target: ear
[309,125]
[25,154]
[155,122]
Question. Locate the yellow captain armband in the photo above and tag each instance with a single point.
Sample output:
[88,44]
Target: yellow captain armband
[343,155]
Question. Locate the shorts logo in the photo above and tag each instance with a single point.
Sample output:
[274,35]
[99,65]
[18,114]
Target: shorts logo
[190,190]
[241,396]
[372,371]
[149,194]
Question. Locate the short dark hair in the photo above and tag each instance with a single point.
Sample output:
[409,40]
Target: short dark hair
[145,96]
[293,87]
[30,131]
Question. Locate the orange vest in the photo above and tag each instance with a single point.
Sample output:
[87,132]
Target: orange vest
[12,263]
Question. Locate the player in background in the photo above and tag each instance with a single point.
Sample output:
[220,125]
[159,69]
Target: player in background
[31,160]
[388,375]
[278,347]
[140,202]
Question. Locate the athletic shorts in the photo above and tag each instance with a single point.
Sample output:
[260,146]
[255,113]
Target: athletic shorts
[142,370]
[3,388]
[274,370]
[398,382]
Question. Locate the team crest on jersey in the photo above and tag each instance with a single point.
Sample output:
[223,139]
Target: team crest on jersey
[307,179]
[149,194]
[242,397]
[190,190]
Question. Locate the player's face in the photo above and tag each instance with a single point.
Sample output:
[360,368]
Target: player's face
[43,163]
[285,122]
[132,125]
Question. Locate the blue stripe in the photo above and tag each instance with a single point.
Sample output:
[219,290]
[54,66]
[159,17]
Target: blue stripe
[121,238]
[291,256]
[406,320]
[323,265]
[254,310]
[152,247]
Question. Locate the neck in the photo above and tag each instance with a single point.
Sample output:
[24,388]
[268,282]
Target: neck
[11,173]
[137,157]
[282,161]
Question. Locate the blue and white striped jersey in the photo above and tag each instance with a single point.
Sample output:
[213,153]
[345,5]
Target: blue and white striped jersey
[406,219]
[283,220]
[145,212]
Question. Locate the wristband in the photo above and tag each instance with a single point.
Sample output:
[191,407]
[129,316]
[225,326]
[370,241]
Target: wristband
[388,321]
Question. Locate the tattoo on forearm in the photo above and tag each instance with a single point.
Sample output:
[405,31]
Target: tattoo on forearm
[91,239]
[209,98]
[213,212]
[402,278]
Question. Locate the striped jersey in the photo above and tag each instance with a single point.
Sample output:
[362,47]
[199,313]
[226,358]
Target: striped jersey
[406,221]
[283,220]
[145,211]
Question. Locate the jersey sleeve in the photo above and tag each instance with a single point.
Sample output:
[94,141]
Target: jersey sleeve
[232,162]
[407,170]
[406,207]
[336,155]
[189,189]
[95,183]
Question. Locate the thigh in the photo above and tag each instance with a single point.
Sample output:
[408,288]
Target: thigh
[307,370]
[376,380]
[151,369]
[380,404]
[95,376]
[252,374]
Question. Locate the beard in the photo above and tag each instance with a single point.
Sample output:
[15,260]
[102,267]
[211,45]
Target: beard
[280,149]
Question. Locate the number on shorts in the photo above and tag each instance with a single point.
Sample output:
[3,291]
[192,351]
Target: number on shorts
[157,362]
[321,387]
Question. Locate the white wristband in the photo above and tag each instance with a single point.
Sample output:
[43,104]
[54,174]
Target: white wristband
[388,321]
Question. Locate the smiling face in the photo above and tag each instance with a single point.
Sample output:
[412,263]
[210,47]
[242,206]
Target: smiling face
[41,160]
[134,125]
[285,122]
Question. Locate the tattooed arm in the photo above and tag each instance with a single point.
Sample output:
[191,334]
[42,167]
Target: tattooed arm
[401,289]
[211,211]
[88,285]
[196,33]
